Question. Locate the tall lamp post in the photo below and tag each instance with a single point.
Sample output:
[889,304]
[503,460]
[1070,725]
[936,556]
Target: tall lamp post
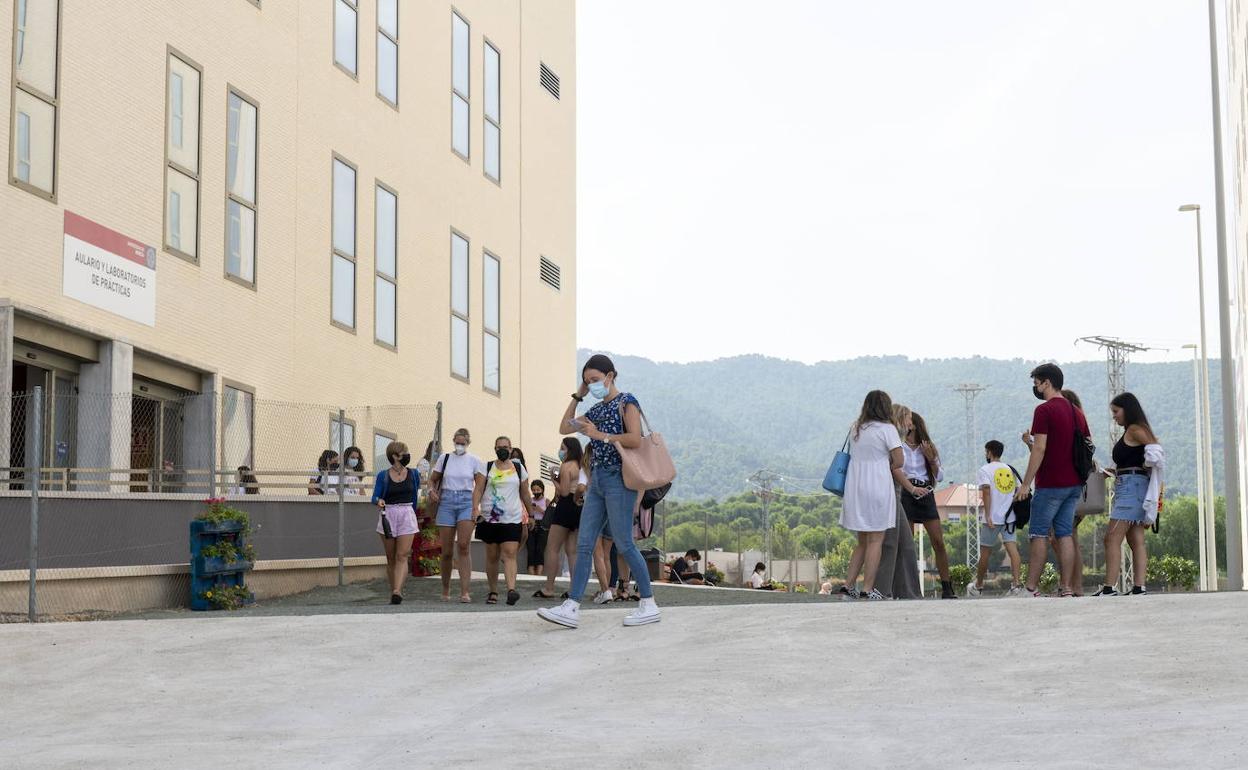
[1205,468]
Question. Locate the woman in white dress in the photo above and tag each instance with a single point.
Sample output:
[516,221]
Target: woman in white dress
[870,506]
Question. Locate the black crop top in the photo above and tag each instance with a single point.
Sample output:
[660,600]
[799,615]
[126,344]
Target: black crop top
[1128,456]
[400,492]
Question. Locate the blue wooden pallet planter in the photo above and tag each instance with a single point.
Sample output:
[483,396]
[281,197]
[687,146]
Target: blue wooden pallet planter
[209,573]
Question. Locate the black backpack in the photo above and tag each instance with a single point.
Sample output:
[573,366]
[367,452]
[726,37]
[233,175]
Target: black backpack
[1082,449]
[1020,508]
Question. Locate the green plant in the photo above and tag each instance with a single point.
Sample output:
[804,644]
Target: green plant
[1179,572]
[431,564]
[1049,579]
[226,597]
[801,589]
[836,563]
[220,512]
[228,550]
[961,576]
[714,574]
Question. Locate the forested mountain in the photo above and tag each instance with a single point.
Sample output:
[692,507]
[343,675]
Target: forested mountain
[727,418]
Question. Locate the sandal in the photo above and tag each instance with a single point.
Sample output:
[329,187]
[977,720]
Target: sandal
[465,600]
[540,594]
[492,598]
[513,596]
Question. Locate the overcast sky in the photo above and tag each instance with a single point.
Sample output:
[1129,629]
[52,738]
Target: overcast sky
[819,180]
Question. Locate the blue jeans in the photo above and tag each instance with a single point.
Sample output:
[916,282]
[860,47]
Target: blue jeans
[608,498]
[1053,508]
[454,507]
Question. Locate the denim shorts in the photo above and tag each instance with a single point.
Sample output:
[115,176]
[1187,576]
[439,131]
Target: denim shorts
[1129,494]
[454,507]
[1053,511]
[991,538]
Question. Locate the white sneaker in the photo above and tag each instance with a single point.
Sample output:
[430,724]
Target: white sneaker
[876,596]
[604,597]
[1015,591]
[647,612]
[567,614]
[972,590]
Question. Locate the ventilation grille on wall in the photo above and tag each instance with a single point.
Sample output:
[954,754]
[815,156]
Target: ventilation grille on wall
[549,466]
[550,273]
[550,81]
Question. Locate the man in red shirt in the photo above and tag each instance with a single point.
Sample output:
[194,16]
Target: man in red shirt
[1052,469]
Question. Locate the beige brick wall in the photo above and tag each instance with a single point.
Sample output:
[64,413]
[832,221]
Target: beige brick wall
[277,337]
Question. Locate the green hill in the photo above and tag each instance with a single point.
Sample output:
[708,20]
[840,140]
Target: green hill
[727,418]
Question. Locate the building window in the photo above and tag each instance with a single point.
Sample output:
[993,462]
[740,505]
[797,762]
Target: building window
[490,342]
[182,158]
[493,114]
[237,428]
[459,306]
[240,187]
[388,50]
[36,97]
[341,435]
[343,274]
[459,85]
[385,244]
[381,440]
[346,21]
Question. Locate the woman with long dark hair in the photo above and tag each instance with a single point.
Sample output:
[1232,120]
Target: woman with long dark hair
[565,519]
[611,424]
[1127,520]
[353,470]
[921,463]
[325,482]
[870,503]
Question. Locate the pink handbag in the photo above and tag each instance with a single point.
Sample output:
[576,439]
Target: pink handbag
[649,465]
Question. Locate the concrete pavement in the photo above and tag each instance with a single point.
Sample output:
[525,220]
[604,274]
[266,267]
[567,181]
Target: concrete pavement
[1134,682]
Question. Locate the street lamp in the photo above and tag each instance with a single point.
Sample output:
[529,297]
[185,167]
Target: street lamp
[1208,558]
[1205,425]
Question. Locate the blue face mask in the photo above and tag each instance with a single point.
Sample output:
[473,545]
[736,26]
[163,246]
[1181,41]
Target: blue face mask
[599,390]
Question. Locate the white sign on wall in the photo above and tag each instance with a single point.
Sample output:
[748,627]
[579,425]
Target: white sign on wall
[108,270]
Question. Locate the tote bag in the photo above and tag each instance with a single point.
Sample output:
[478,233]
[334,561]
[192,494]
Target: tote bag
[834,479]
[649,466]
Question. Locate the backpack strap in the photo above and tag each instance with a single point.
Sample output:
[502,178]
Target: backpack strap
[446,457]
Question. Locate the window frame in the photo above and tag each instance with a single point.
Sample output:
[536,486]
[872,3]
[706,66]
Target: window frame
[455,94]
[355,244]
[497,121]
[377,273]
[54,101]
[486,331]
[398,67]
[354,5]
[466,318]
[171,165]
[251,449]
[254,206]
[383,433]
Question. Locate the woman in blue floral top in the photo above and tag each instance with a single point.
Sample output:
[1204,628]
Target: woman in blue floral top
[614,422]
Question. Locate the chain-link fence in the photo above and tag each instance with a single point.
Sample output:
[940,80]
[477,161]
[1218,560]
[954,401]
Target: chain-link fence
[96,492]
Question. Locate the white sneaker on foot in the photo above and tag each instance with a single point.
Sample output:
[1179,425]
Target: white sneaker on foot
[972,590]
[1015,591]
[604,597]
[567,614]
[647,612]
[876,596]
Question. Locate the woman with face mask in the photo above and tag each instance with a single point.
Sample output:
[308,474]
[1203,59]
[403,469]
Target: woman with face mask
[565,519]
[502,498]
[613,423]
[325,482]
[451,483]
[353,470]
[395,494]
[538,528]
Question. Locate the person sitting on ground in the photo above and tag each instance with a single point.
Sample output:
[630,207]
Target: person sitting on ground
[825,589]
[757,581]
[682,572]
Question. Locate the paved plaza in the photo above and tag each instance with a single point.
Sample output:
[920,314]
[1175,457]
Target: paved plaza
[1128,682]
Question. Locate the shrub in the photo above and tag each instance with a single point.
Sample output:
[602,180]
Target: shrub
[1049,579]
[961,576]
[1178,572]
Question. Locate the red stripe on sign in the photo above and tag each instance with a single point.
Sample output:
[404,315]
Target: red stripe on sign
[110,240]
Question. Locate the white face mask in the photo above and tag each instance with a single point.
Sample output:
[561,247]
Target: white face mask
[460,449]
[353,462]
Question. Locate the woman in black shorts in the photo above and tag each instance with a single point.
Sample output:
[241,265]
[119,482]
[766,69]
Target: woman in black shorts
[566,518]
[502,502]
[921,463]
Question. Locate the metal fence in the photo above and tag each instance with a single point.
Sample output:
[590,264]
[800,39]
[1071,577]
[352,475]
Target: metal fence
[95,485]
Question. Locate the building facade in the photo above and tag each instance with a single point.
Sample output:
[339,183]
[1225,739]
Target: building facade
[1235,90]
[216,206]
